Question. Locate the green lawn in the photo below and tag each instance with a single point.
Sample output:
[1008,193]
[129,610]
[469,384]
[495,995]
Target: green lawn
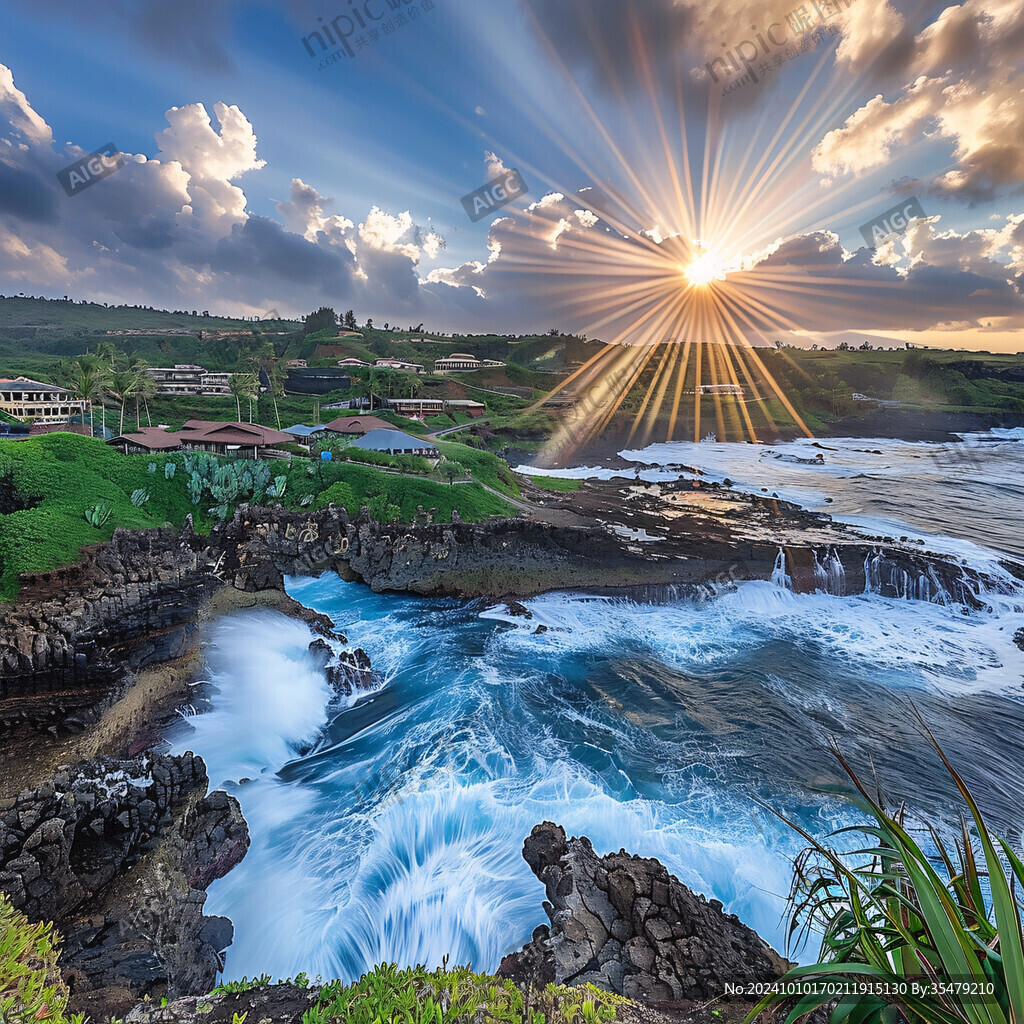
[49,483]
[554,483]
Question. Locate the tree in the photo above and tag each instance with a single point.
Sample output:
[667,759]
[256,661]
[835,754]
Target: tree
[369,324]
[243,385]
[121,386]
[324,319]
[350,321]
[84,376]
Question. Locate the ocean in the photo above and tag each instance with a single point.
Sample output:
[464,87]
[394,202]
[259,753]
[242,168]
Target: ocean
[387,826]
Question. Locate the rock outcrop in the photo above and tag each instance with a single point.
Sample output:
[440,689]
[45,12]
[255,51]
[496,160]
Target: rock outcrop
[625,924]
[119,854]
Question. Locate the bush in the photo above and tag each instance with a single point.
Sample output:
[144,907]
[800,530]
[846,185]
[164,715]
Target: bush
[948,923]
[418,996]
[31,988]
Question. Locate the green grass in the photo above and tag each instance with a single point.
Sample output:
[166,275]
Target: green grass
[63,475]
[49,483]
[418,996]
[553,483]
[31,989]
[482,465]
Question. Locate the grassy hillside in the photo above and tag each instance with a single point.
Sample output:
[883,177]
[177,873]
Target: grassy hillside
[48,484]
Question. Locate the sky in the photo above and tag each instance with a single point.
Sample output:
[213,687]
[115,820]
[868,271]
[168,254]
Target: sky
[693,167]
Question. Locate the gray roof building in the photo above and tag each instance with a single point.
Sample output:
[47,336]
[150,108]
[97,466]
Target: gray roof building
[395,442]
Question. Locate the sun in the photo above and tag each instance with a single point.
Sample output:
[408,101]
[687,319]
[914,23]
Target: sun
[705,268]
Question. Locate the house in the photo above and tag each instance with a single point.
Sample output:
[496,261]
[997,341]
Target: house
[357,425]
[416,406]
[470,408]
[394,442]
[146,441]
[304,434]
[296,364]
[387,363]
[459,361]
[352,362]
[26,399]
[186,379]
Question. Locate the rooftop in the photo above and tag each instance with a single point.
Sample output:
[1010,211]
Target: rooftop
[391,440]
[24,384]
[357,425]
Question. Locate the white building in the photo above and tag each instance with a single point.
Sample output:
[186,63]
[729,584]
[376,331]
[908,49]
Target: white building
[387,363]
[26,399]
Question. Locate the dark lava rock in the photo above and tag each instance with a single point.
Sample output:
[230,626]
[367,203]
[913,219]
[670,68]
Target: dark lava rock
[625,924]
[267,1004]
[118,854]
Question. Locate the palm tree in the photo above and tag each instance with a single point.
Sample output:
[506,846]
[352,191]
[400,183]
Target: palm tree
[84,376]
[121,385]
[243,385]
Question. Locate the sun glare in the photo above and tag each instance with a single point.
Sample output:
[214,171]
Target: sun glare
[705,269]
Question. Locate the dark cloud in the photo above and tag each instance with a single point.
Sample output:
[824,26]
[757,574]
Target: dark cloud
[26,196]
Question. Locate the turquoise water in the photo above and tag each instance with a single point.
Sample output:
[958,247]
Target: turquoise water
[388,826]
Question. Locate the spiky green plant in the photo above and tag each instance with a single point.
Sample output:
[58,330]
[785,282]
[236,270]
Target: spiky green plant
[140,496]
[31,989]
[169,470]
[417,996]
[98,515]
[934,935]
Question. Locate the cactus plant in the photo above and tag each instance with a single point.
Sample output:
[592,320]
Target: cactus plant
[98,515]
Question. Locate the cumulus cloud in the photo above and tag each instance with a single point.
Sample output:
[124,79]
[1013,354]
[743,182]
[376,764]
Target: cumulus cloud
[965,85]
[175,229]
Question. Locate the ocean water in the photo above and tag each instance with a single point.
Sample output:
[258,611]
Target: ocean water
[388,825]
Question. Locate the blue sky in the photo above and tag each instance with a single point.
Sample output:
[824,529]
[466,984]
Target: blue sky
[575,94]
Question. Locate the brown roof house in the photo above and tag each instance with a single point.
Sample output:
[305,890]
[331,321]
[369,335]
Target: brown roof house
[356,426]
[246,439]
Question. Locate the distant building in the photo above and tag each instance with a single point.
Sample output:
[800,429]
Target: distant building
[387,363]
[416,406]
[185,379]
[146,440]
[352,362]
[304,434]
[353,426]
[26,399]
[470,408]
[457,361]
[394,442]
[316,381]
[296,364]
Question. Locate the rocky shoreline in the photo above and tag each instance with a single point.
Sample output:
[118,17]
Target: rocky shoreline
[116,844]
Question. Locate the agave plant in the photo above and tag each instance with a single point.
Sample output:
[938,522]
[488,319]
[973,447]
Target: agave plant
[280,486]
[140,496]
[98,515]
[169,470]
[933,935]
[152,467]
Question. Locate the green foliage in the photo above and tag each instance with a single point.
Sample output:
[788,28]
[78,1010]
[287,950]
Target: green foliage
[99,514]
[66,475]
[237,987]
[418,996]
[140,496]
[482,466]
[904,914]
[382,510]
[31,989]
[554,483]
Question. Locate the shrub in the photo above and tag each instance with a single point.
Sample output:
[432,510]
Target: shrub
[31,988]
[907,917]
[418,996]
